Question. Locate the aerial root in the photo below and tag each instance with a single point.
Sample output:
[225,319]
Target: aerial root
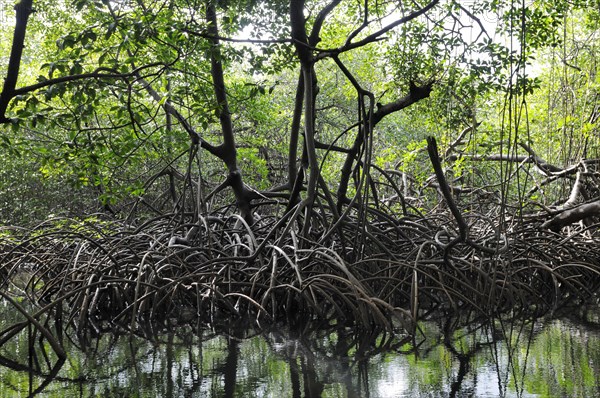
[100,276]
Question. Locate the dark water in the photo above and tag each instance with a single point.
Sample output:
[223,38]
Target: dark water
[546,358]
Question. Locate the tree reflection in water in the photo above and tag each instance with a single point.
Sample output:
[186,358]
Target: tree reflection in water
[496,358]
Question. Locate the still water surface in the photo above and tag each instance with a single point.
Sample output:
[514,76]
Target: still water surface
[546,358]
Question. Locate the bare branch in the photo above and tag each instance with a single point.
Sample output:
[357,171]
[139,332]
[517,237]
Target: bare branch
[97,74]
[572,215]
[23,11]
[194,136]
[458,141]
[316,30]
[364,24]
[377,35]
[232,40]
[439,173]
[544,166]
[415,94]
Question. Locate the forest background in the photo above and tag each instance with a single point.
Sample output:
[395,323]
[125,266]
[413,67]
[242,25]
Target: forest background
[377,150]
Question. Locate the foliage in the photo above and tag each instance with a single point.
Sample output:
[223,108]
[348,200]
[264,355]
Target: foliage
[108,133]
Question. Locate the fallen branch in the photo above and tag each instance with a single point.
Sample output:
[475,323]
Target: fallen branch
[572,215]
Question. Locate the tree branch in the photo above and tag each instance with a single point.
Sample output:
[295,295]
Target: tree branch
[314,38]
[82,76]
[295,131]
[232,40]
[439,173]
[415,94]
[170,109]
[376,35]
[544,166]
[572,215]
[228,152]
[299,36]
[23,10]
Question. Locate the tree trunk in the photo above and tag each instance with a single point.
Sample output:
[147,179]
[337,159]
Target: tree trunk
[226,151]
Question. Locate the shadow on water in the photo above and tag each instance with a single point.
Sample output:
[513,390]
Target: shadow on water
[497,358]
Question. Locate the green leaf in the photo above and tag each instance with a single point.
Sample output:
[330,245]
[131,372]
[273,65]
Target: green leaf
[76,69]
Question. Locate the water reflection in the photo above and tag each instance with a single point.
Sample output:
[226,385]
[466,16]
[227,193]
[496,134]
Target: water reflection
[552,358]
